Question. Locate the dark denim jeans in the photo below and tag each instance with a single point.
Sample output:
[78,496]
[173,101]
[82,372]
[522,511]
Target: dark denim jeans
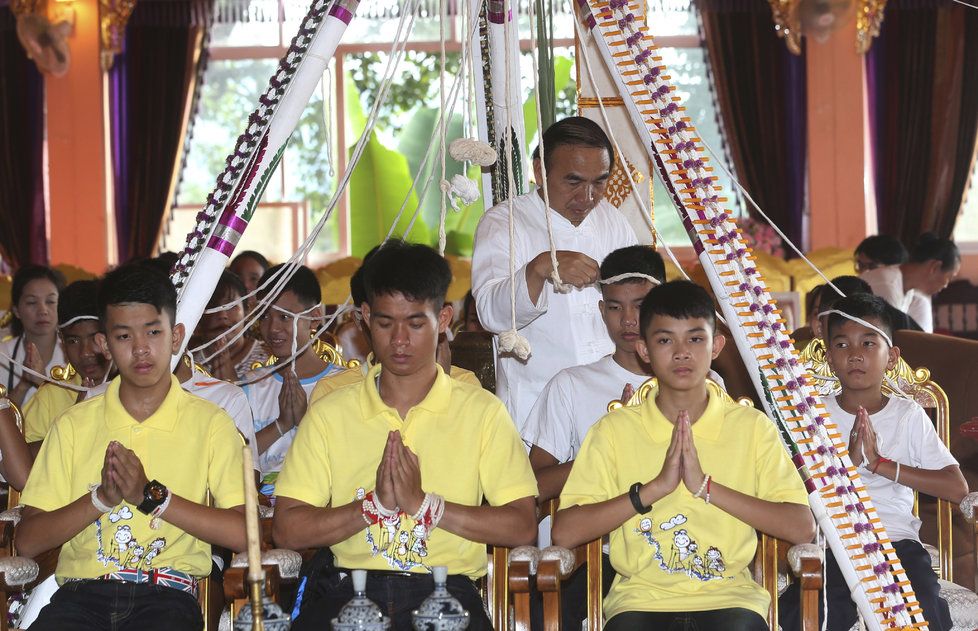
[396,595]
[118,606]
[715,620]
[842,611]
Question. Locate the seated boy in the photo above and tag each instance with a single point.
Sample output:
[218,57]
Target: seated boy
[132,521]
[78,326]
[347,376]
[236,358]
[279,399]
[895,444]
[403,460]
[680,483]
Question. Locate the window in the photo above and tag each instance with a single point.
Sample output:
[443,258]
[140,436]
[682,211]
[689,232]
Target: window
[250,35]
[966,228]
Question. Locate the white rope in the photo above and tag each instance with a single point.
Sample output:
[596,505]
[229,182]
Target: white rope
[472,150]
[30,371]
[327,95]
[559,286]
[627,276]
[857,320]
[442,237]
[646,215]
[511,341]
[77,319]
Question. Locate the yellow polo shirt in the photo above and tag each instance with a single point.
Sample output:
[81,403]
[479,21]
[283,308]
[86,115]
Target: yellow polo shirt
[345,377]
[189,444]
[685,555]
[45,406]
[466,443]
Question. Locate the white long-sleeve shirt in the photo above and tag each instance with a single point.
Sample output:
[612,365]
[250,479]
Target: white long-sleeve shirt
[563,329]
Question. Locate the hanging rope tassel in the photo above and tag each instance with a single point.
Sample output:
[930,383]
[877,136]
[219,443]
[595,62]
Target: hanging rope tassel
[512,341]
[472,150]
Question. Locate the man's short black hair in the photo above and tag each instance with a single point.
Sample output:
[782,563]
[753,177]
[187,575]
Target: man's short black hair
[680,299]
[78,299]
[136,283]
[849,285]
[358,293]
[865,306]
[257,257]
[228,283]
[303,284]
[883,249]
[415,271]
[641,259]
[577,131]
[931,247]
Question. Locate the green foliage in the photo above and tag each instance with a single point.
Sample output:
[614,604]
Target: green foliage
[562,83]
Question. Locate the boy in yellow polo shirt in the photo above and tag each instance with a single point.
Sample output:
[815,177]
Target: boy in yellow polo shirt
[78,326]
[391,473]
[680,483]
[122,480]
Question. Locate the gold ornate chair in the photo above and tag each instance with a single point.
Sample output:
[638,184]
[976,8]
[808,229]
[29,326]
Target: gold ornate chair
[770,567]
[329,353]
[916,383]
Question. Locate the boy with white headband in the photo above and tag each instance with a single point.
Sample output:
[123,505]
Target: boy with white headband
[390,473]
[897,449]
[279,397]
[78,326]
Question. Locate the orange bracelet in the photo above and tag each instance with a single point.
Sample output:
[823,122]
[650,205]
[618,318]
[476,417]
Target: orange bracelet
[880,461]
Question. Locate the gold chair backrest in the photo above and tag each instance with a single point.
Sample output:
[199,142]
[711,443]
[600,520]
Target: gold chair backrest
[327,352]
[651,384]
[916,384]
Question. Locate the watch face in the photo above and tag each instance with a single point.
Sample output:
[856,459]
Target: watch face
[156,492]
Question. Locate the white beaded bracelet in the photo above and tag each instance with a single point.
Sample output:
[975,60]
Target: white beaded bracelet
[97,501]
[154,523]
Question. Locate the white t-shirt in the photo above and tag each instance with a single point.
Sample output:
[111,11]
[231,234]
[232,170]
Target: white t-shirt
[906,435]
[563,329]
[228,396]
[887,283]
[263,398]
[16,349]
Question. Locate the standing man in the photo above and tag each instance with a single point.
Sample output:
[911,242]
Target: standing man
[563,329]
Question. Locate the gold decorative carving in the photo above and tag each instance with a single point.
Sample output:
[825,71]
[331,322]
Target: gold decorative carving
[869,18]
[786,25]
[590,102]
[651,384]
[114,17]
[63,373]
[619,188]
[326,351]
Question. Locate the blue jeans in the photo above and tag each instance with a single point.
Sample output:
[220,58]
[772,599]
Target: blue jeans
[118,606]
[735,619]
[395,594]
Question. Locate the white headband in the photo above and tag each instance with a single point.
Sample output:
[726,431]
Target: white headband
[857,320]
[626,276]
[77,319]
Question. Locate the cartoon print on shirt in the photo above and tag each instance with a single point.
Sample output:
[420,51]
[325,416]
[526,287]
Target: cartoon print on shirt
[402,542]
[124,550]
[683,557]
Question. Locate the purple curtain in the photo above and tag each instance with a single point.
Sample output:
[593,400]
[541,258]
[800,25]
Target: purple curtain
[22,222]
[923,101]
[149,87]
[761,96]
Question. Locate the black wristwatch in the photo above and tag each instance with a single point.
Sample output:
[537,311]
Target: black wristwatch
[633,495]
[154,494]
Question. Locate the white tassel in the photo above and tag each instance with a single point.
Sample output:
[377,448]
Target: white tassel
[472,150]
[512,342]
[461,189]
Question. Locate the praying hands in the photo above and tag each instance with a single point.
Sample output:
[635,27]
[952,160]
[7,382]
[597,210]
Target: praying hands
[862,441]
[682,462]
[399,477]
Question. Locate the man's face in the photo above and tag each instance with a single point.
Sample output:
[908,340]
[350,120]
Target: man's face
[576,179]
[141,341]
[680,350]
[405,332]
[863,263]
[938,279]
[280,329]
[83,351]
[859,356]
[620,308]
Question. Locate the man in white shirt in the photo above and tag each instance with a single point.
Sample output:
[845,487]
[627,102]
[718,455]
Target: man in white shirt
[563,329]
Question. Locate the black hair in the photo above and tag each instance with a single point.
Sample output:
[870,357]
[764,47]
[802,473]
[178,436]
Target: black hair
[849,285]
[930,247]
[883,249]
[812,299]
[229,281]
[641,259]
[303,284]
[467,303]
[24,276]
[138,283]
[255,256]
[680,299]
[863,306]
[574,130]
[358,293]
[78,299]
[163,263]
[415,271]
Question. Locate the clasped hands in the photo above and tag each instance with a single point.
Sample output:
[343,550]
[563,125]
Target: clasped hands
[682,463]
[862,440]
[292,402]
[123,477]
[399,477]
